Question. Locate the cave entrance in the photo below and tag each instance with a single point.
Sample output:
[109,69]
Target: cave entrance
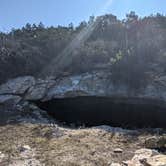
[118,112]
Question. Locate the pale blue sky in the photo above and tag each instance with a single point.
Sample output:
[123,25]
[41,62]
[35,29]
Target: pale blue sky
[16,13]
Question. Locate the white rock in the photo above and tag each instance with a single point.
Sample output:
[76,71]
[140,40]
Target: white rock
[115,164]
[2,156]
[159,160]
[143,154]
[25,148]
[118,150]
[140,157]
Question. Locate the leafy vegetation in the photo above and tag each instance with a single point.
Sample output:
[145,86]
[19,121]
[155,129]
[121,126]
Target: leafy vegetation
[133,49]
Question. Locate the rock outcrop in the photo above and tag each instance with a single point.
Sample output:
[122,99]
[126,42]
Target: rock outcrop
[146,157]
[9,100]
[156,142]
[94,84]
[87,84]
[17,86]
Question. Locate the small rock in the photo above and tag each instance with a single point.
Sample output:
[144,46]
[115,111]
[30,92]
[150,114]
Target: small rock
[118,150]
[151,142]
[155,142]
[143,154]
[2,156]
[131,163]
[25,148]
[159,160]
[162,142]
[140,158]
[115,164]
[126,163]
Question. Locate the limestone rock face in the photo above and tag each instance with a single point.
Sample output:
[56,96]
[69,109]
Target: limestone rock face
[100,84]
[86,84]
[39,90]
[17,86]
[90,84]
[7,100]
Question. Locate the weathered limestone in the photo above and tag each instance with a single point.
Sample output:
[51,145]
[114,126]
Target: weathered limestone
[86,84]
[17,86]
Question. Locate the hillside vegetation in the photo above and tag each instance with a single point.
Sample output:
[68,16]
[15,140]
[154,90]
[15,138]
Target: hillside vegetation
[133,49]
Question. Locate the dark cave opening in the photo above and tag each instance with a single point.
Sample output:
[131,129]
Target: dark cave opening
[117,112]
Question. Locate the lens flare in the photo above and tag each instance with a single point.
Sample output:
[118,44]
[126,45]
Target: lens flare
[65,57]
[106,6]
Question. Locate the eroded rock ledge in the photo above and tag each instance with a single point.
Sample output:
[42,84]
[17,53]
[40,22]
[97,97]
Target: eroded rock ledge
[97,91]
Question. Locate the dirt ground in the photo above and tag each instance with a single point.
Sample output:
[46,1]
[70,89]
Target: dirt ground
[28,142]
[53,145]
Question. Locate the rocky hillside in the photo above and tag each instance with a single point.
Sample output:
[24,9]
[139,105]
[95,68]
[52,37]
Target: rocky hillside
[133,49]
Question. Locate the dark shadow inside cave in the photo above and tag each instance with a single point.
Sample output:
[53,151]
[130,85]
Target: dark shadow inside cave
[119,112]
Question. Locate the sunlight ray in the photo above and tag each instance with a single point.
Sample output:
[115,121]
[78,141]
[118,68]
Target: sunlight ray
[65,57]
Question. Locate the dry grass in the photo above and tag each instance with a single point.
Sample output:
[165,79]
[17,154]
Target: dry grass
[71,147]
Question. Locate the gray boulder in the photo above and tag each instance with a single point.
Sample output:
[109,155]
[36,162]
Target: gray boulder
[97,83]
[101,84]
[39,90]
[9,100]
[17,86]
